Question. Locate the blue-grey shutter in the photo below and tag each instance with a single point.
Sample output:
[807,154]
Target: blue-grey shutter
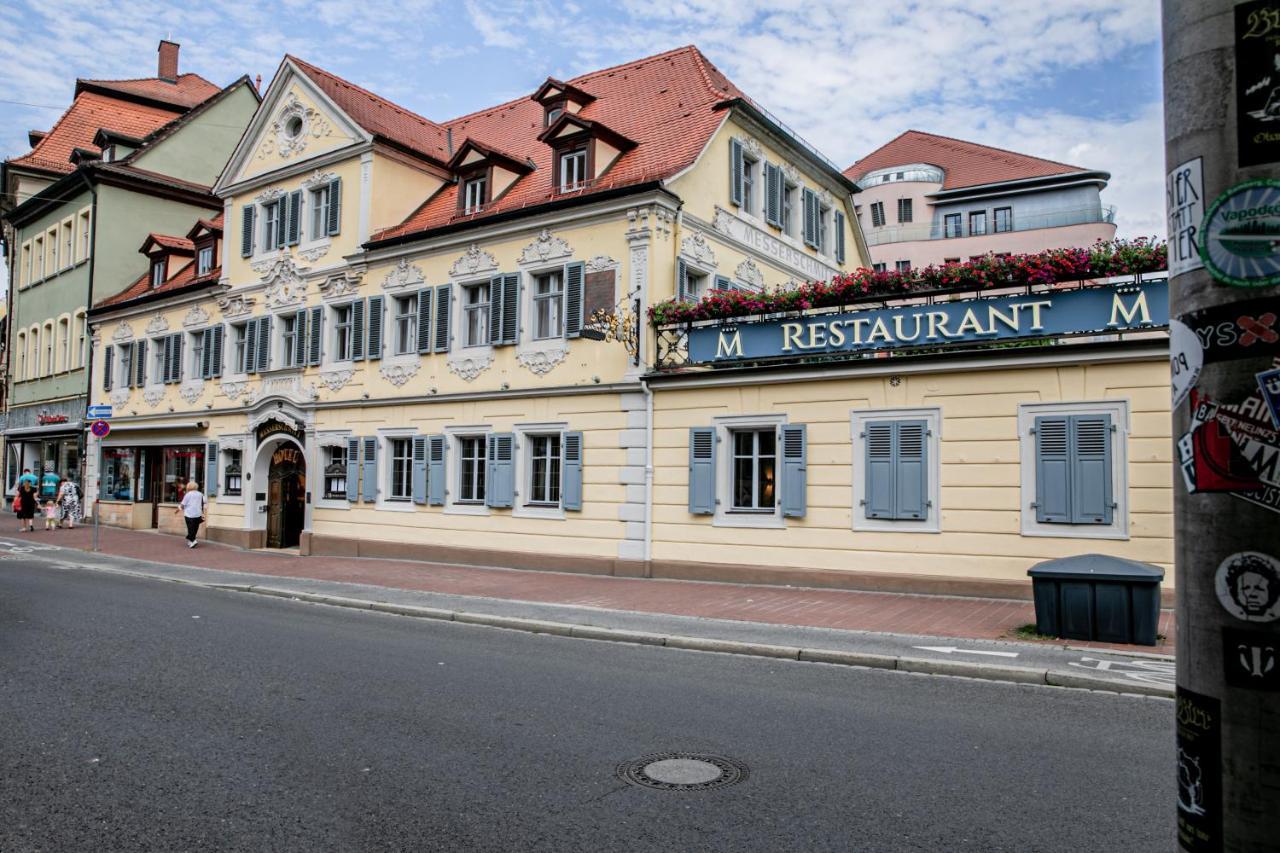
[495,310]
[702,470]
[500,479]
[911,491]
[1053,469]
[219,332]
[878,439]
[369,462]
[166,358]
[810,217]
[211,469]
[294,224]
[206,352]
[773,194]
[179,342]
[300,338]
[723,282]
[735,171]
[1091,469]
[682,279]
[374,343]
[140,363]
[424,320]
[573,276]
[571,471]
[264,343]
[436,482]
[839,226]
[335,206]
[420,469]
[441,342]
[795,477]
[246,230]
[353,469]
[315,334]
[249,361]
[510,308]
[108,365]
[357,330]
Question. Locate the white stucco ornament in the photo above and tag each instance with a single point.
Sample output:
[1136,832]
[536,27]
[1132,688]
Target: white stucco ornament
[399,374]
[469,367]
[335,380]
[234,390]
[232,305]
[153,396]
[312,254]
[295,125]
[749,274]
[119,397]
[123,332]
[319,179]
[191,393]
[285,285]
[159,323]
[197,316]
[601,263]
[696,248]
[339,285]
[476,260]
[545,247]
[403,275]
[543,361]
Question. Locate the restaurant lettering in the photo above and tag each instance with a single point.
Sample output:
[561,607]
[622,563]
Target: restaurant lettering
[1097,309]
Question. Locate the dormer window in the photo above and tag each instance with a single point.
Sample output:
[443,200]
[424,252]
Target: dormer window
[204,259]
[583,150]
[554,111]
[572,167]
[108,154]
[473,194]
[157,271]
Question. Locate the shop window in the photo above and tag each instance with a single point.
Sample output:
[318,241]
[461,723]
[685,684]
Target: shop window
[181,465]
[471,469]
[335,474]
[401,469]
[231,475]
[1073,469]
[118,467]
[544,470]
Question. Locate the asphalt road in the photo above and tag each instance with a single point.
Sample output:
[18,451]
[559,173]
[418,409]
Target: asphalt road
[142,715]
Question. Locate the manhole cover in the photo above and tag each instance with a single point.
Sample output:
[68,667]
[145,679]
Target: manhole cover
[683,771]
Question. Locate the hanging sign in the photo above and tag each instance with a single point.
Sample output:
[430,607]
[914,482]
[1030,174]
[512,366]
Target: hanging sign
[1257,82]
[1240,238]
[1042,315]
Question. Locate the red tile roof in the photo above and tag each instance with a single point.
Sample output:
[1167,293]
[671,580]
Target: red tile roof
[964,164]
[187,91]
[89,113]
[168,241]
[184,276]
[665,103]
[379,116]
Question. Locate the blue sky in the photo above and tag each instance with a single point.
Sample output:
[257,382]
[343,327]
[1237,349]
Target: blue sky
[1077,82]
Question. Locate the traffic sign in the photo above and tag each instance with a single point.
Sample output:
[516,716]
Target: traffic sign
[101,412]
[100,428]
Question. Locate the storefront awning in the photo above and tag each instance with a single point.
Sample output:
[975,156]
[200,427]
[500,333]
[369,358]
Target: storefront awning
[156,426]
[44,431]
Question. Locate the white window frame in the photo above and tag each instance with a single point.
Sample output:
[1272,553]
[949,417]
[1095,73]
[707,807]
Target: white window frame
[37,251]
[244,441]
[724,514]
[409,346]
[523,434]
[62,358]
[85,223]
[752,186]
[317,212]
[231,366]
[48,349]
[453,468]
[192,356]
[573,164]
[463,330]
[155,363]
[470,205]
[25,265]
[272,226]
[826,227]
[325,440]
[68,230]
[534,299]
[1119,412]
[384,501]
[201,266]
[331,349]
[787,210]
[932,522]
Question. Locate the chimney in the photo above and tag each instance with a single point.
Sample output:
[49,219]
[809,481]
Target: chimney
[167,67]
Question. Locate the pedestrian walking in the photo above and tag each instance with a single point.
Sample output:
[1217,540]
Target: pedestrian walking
[69,501]
[27,477]
[51,514]
[192,509]
[26,502]
[49,483]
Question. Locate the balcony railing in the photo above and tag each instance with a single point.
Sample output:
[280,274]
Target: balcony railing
[1021,222]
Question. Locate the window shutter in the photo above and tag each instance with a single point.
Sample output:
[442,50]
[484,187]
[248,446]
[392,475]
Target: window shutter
[810,218]
[495,310]
[315,334]
[140,363]
[246,230]
[206,353]
[910,485]
[295,217]
[702,470]
[773,194]
[735,171]
[249,363]
[353,469]
[573,278]
[571,471]
[682,279]
[219,332]
[723,282]
[375,328]
[369,461]
[420,469]
[879,440]
[441,342]
[500,478]
[839,228]
[357,330]
[300,338]
[436,482]
[179,342]
[424,320]
[1053,469]
[510,307]
[795,476]
[335,206]
[211,469]
[1091,469]
[264,343]
[166,358]
[108,365]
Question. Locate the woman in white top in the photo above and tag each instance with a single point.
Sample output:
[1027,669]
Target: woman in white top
[192,508]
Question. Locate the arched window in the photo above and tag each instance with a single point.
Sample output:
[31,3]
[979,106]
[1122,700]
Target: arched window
[82,334]
[64,344]
[22,356]
[48,349]
[33,362]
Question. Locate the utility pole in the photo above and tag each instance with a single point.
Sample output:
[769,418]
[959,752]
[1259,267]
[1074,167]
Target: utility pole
[1222,157]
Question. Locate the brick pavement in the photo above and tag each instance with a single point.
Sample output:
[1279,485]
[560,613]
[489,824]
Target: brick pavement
[899,613]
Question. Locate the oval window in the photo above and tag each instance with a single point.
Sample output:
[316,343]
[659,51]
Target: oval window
[293,127]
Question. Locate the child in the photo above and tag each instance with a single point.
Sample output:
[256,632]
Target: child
[51,518]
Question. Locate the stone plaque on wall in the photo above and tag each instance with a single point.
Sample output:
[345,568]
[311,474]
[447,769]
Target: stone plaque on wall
[598,293]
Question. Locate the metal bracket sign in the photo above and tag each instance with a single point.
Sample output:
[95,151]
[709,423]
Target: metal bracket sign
[1094,309]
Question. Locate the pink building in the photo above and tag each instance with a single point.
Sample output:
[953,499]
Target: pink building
[930,199]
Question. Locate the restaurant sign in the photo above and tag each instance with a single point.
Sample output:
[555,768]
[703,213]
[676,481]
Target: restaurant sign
[1099,310]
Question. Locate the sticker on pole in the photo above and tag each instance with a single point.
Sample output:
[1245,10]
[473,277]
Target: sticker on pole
[1184,203]
[1248,586]
[1186,358]
[101,429]
[1240,238]
[1269,382]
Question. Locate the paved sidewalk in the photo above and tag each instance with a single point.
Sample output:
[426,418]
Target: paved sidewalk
[926,615]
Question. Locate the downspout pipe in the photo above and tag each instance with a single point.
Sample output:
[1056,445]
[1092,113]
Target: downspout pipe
[648,478]
[82,441]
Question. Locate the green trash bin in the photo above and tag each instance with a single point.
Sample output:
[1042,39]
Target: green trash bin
[1096,597]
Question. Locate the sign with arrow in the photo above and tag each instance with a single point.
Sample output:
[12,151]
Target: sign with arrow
[948,650]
